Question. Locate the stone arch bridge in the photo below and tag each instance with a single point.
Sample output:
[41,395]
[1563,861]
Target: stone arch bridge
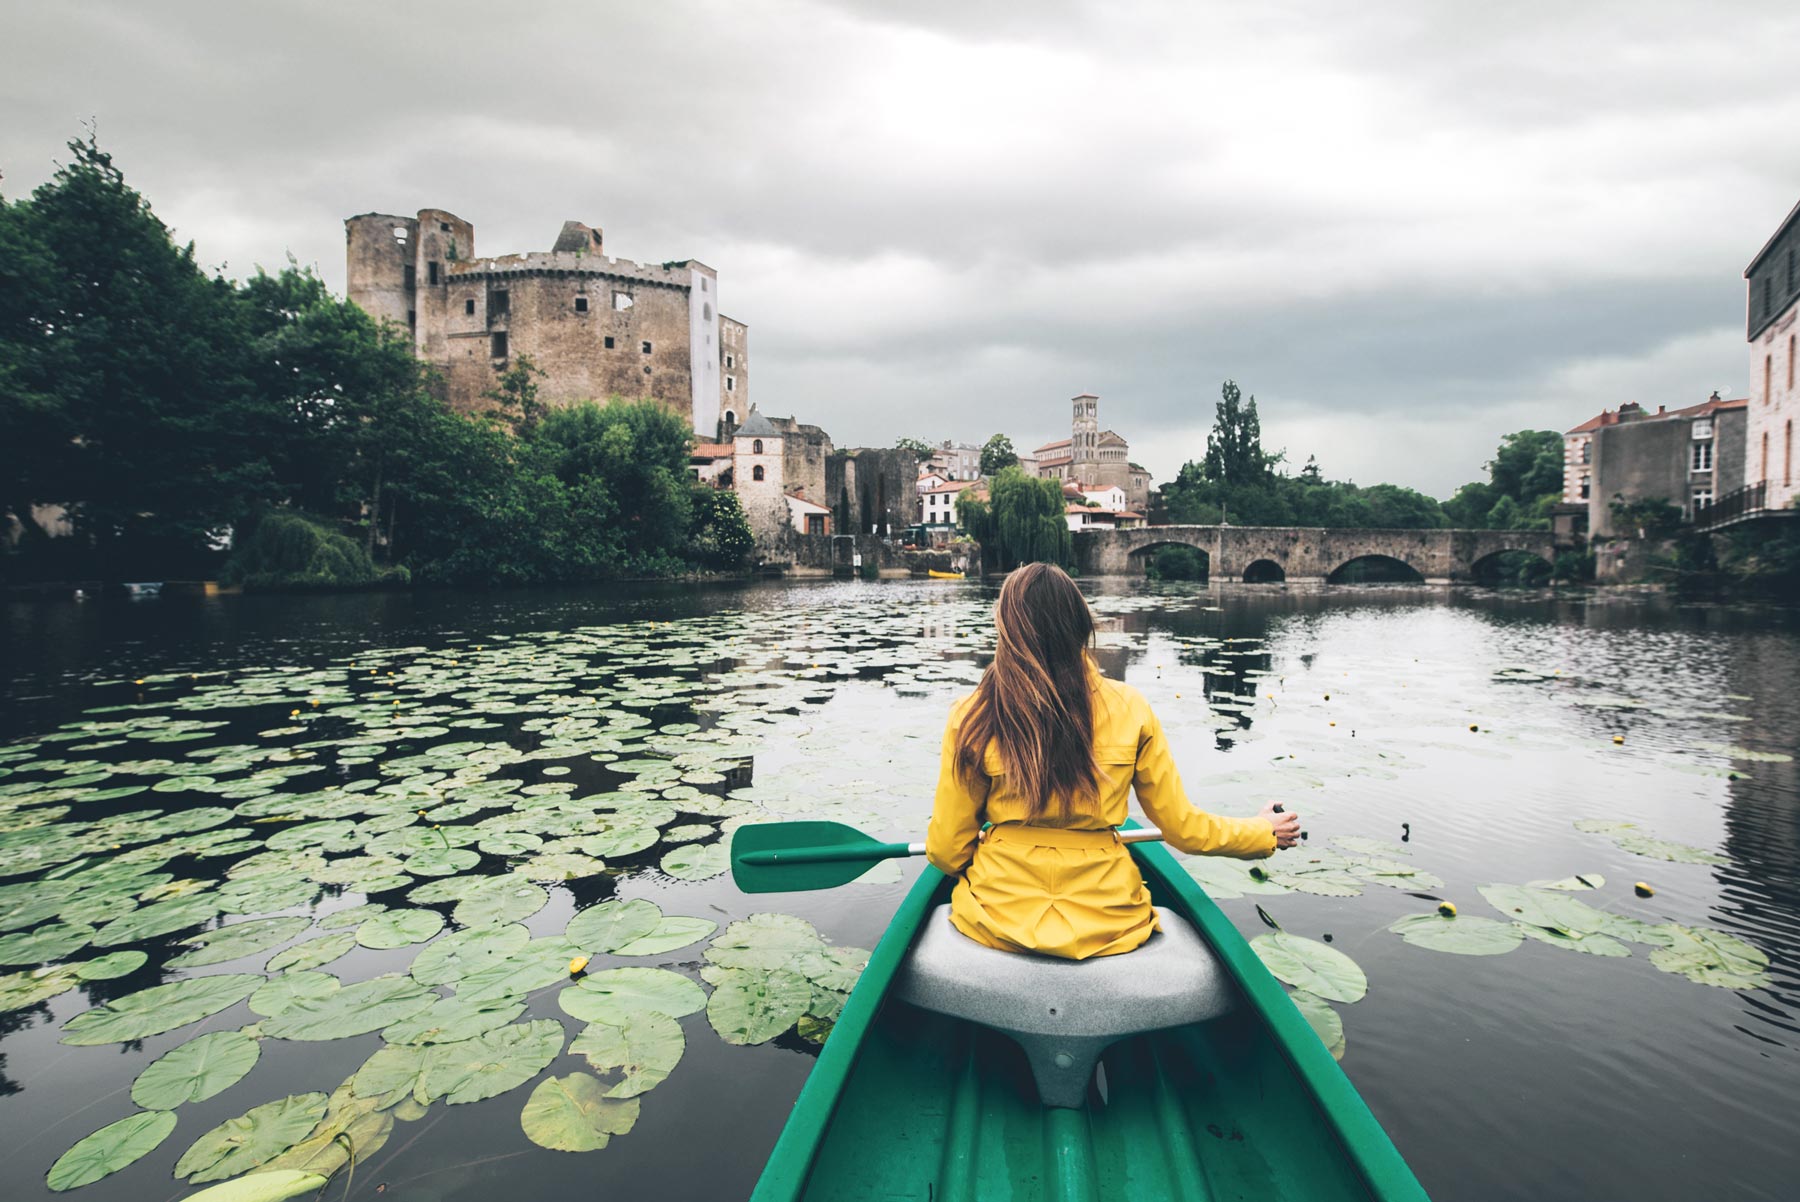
[1305,554]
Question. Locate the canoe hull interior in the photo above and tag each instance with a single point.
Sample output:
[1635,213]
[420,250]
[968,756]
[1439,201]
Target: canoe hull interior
[909,1104]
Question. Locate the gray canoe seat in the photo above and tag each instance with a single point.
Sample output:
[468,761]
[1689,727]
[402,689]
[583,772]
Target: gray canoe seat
[1065,1013]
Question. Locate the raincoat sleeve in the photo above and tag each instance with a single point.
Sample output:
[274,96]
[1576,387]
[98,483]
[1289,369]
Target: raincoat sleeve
[1188,829]
[956,811]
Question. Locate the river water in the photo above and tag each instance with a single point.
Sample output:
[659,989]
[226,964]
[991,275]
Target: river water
[1461,734]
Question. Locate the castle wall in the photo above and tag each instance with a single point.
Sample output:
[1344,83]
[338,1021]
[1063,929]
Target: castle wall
[703,346]
[377,259]
[765,509]
[734,374]
[804,452]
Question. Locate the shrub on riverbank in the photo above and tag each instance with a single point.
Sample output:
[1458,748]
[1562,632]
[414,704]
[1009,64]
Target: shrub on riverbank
[1177,563]
[292,551]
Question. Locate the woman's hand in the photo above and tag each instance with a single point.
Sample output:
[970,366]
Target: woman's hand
[1286,826]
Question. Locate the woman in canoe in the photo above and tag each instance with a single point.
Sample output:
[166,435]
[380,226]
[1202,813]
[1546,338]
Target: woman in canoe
[1047,750]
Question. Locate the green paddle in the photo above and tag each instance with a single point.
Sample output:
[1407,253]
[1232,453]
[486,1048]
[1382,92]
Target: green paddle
[792,857]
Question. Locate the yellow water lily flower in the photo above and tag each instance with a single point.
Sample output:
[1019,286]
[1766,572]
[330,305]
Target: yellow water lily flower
[577,964]
[1447,909]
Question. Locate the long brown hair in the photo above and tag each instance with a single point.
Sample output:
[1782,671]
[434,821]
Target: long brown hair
[1033,700]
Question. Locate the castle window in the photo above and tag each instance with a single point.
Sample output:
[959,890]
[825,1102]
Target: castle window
[730,383]
[469,305]
[499,303]
[431,272]
[412,317]
[444,226]
[756,473]
[730,418]
[609,342]
[703,278]
[497,346]
[581,304]
[621,301]
[756,448]
[705,311]
[400,233]
[412,277]
[730,361]
[1790,360]
[646,348]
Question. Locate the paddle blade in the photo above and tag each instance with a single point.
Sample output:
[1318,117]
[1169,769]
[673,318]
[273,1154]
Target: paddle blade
[791,857]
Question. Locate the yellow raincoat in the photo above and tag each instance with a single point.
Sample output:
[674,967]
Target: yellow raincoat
[1071,889]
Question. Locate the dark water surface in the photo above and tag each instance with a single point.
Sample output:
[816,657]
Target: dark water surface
[1542,1073]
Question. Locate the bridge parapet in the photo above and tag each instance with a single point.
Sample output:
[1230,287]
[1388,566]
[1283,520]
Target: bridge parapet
[1305,553]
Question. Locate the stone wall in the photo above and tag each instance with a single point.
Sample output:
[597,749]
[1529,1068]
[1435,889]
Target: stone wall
[871,489]
[1774,410]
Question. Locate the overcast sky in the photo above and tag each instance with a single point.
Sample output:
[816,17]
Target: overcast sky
[1407,231]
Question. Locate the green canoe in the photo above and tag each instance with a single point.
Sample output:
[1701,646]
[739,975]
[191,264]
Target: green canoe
[910,1103]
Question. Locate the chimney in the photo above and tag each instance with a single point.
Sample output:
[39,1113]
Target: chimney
[1715,396]
[1661,409]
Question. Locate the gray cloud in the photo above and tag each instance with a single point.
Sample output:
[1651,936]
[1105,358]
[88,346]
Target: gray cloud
[1407,229]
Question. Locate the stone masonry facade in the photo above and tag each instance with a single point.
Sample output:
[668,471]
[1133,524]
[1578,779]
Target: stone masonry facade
[598,327]
[1772,282]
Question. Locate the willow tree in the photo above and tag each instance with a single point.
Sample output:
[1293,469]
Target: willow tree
[1028,521]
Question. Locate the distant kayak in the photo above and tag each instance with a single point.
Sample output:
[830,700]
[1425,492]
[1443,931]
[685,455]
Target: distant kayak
[937,575]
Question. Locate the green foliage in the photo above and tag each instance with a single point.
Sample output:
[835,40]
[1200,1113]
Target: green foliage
[1234,453]
[1651,517]
[1027,522]
[915,446]
[997,454]
[1574,566]
[1525,480]
[292,551]
[719,534]
[1177,563]
[975,516]
[515,395]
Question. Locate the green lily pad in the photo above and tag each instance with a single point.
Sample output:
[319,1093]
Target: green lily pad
[1459,935]
[461,953]
[23,990]
[1711,958]
[442,861]
[764,941]
[1556,910]
[609,925]
[573,1114]
[1592,942]
[696,861]
[749,1006]
[646,1047]
[1326,1023]
[354,916]
[110,1149]
[670,933]
[196,1070]
[1310,965]
[280,993]
[610,996]
[313,953]
[111,966]
[1224,878]
[258,1135]
[159,1008]
[501,899]
[454,1019]
[42,945]
[493,1062]
[353,1010]
[395,1073]
[624,840]
[399,928]
[275,1185]
[163,918]
[238,940]
[1572,884]
[561,866]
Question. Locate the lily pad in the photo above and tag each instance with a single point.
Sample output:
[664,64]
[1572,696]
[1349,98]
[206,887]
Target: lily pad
[353,1010]
[696,861]
[460,953]
[111,966]
[238,940]
[399,928]
[281,993]
[110,1149]
[1572,884]
[1471,936]
[196,1070]
[1224,878]
[1591,943]
[646,1047]
[764,941]
[258,1135]
[1711,958]
[454,1019]
[159,1008]
[163,918]
[41,945]
[750,1006]
[1310,965]
[611,996]
[609,925]
[574,1114]
[493,1062]
[313,953]
[500,900]
[671,933]
[275,1185]
[1326,1023]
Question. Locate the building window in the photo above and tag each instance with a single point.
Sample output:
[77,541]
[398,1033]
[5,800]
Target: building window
[1586,484]
[730,361]
[1768,366]
[411,277]
[756,473]
[469,306]
[581,304]
[431,272]
[500,303]
[1702,429]
[756,446]
[815,522]
[730,383]
[497,345]
[412,317]
[1790,362]
[730,418]
[1587,452]
[444,226]
[1787,454]
[646,348]
[609,342]
[1702,499]
[621,301]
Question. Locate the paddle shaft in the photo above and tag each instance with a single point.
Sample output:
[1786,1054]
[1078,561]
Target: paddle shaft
[880,851]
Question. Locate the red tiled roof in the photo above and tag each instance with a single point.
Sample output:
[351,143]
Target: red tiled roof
[1611,417]
[1051,446]
[953,486]
[712,450]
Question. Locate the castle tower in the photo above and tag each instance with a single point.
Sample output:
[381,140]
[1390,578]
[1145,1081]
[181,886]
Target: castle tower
[1084,435]
[380,258]
[757,476]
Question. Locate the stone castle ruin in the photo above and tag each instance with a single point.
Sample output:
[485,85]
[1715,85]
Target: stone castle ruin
[597,326]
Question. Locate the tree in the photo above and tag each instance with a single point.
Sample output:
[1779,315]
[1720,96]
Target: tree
[1528,464]
[1028,521]
[719,534]
[1234,454]
[997,455]
[515,395]
[922,450]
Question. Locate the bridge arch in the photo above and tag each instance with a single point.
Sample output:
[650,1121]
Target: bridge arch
[1512,565]
[1264,571]
[1375,569]
[1143,560]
